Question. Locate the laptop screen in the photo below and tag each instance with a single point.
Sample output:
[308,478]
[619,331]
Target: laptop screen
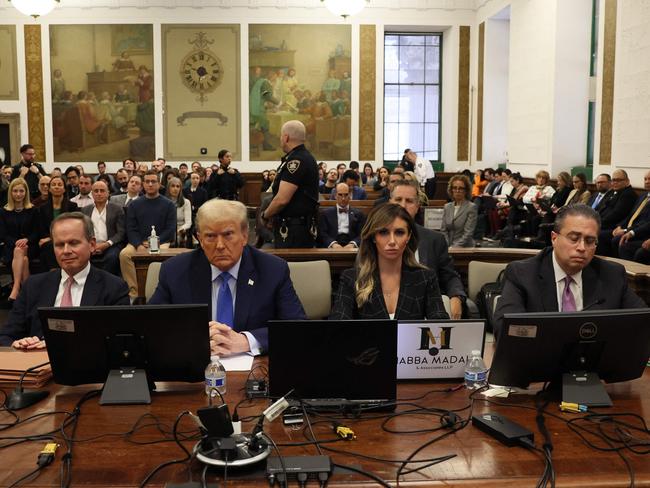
[320,359]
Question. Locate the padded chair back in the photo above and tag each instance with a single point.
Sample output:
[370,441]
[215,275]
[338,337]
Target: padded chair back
[480,273]
[153,271]
[313,284]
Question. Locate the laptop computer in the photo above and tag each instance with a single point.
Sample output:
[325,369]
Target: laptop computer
[334,365]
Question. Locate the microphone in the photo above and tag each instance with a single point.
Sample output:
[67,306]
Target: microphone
[20,398]
[593,304]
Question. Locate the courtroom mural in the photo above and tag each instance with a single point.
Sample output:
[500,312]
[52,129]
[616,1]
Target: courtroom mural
[102,92]
[8,68]
[300,72]
[201,91]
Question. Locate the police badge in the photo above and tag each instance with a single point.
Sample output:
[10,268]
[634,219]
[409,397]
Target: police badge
[293,166]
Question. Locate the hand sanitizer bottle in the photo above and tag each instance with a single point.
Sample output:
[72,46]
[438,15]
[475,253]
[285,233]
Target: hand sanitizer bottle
[154,243]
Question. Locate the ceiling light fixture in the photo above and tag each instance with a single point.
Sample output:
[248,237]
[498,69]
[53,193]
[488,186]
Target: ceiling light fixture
[34,8]
[345,8]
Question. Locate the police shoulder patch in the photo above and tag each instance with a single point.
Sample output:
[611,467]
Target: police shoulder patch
[293,165]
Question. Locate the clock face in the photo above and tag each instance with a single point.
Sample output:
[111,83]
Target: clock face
[201,71]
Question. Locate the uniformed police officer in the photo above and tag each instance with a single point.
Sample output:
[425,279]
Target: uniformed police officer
[294,207]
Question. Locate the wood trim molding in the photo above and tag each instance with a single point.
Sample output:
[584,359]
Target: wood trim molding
[607,102]
[367,91]
[479,96]
[34,82]
[462,150]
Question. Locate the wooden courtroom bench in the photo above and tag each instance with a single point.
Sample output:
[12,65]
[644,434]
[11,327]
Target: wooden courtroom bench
[638,275]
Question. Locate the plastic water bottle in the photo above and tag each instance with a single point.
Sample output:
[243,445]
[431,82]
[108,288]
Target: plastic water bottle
[476,372]
[215,377]
[154,243]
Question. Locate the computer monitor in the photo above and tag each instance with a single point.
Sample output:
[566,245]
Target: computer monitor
[334,364]
[580,348]
[127,348]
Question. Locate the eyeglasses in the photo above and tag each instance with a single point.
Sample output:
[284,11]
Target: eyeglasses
[574,239]
[458,188]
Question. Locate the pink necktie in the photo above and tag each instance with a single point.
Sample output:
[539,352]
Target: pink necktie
[568,300]
[66,299]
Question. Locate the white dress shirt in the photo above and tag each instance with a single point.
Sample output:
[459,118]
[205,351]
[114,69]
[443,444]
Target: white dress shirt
[83,200]
[575,286]
[99,222]
[77,288]
[255,346]
[343,219]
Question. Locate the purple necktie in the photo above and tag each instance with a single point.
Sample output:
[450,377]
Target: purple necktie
[568,300]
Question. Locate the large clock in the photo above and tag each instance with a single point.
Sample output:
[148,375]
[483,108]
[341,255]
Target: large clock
[201,72]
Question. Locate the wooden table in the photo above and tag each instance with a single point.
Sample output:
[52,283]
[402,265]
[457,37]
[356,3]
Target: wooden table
[340,259]
[480,460]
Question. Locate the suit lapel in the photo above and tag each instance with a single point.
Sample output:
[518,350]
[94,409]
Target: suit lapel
[423,246]
[49,292]
[245,290]
[547,284]
[589,287]
[92,288]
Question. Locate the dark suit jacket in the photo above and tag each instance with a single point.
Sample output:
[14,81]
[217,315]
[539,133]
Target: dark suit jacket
[46,213]
[40,290]
[114,222]
[433,252]
[328,226]
[197,197]
[529,286]
[264,289]
[419,298]
[614,206]
[641,225]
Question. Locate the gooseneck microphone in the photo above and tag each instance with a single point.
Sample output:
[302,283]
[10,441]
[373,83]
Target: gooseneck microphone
[20,398]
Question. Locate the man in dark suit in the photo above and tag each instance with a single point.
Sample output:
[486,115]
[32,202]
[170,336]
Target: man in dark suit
[76,283]
[602,182]
[566,277]
[615,205]
[110,234]
[630,234]
[340,226]
[432,249]
[352,179]
[134,187]
[244,287]
[28,169]
[392,181]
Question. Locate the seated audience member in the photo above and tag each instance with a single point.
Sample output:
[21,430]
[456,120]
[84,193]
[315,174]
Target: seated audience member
[330,183]
[101,172]
[492,181]
[566,277]
[352,179]
[368,176]
[541,190]
[72,175]
[44,192]
[603,182]
[56,205]
[183,172]
[266,183]
[77,283]
[244,287]
[121,185]
[579,194]
[388,282]
[544,219]
[459,216]
[144,214]
[628,236]
[385,196]
[133,190]
[109,224]
[19,232]
[480,182]
[129,165]
[341,226]
[340,169]
[183,211]
[382,179]
[613,209]
[512,214]
[56,172]
[432,249]
[195,194]
[84,198]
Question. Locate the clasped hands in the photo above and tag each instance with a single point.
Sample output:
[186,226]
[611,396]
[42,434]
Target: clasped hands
[224,341]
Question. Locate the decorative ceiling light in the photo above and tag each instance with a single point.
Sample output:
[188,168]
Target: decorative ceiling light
[35,8]
[345,8]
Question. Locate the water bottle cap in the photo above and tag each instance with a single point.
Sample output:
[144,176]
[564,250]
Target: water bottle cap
[476,352]
[214,357]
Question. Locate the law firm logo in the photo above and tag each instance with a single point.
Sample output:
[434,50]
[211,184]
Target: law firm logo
[432,343]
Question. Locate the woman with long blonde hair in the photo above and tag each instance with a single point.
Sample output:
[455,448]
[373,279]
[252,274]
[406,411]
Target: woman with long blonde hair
[19,231]
[388,282]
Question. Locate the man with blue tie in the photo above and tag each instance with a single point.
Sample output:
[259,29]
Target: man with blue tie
[629,237]
[244,287]
[603,182]
[340,226]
